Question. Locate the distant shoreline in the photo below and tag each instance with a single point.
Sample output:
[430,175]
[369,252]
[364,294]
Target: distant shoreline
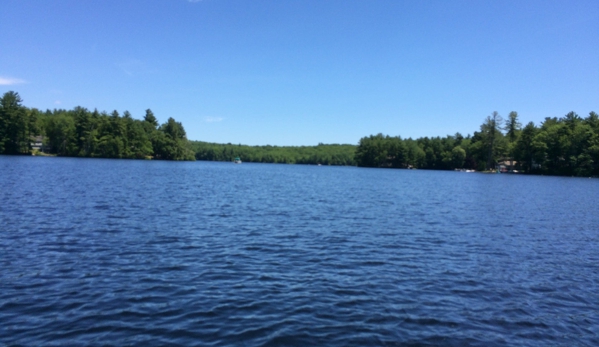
[566,146]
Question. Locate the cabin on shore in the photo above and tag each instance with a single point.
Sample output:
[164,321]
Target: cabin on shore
[37,143]
[506,165]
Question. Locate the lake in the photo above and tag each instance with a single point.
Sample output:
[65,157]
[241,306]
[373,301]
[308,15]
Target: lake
[124,252]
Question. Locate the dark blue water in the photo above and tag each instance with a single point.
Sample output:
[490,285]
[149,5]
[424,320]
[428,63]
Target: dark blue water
[122,252]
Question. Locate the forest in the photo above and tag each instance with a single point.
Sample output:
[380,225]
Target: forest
[83,133]
[567,146]
[322,154]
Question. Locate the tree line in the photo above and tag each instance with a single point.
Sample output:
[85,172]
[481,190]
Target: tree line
[83,133]
[568,145]
[559,146]
[333,154]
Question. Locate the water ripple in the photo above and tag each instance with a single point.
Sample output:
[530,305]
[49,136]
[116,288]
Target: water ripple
[209,254]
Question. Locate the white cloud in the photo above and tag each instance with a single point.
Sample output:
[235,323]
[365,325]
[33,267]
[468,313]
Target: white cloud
[213,119]
[58,102]
[7,81]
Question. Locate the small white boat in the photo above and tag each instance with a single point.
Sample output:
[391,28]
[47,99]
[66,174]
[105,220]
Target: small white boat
[237,160]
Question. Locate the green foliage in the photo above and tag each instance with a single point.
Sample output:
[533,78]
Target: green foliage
[381,151]
[149,118]
[321,154]
[524,151]
[425,153]
[15,124]
[560,146]
[491,135]
[458,156]
[564,146]
[61,134]
[81,133]
[512,126]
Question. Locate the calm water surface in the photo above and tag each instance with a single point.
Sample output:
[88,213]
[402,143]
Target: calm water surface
[123,252]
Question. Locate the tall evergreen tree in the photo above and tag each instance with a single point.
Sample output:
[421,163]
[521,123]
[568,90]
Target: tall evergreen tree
[149,117]
[512,126]
[14,125]
[491,131]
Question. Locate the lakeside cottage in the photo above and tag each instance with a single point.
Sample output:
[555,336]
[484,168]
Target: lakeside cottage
[37,143]
[506,165]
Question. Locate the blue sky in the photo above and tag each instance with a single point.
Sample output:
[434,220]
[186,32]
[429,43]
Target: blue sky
[286,72]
